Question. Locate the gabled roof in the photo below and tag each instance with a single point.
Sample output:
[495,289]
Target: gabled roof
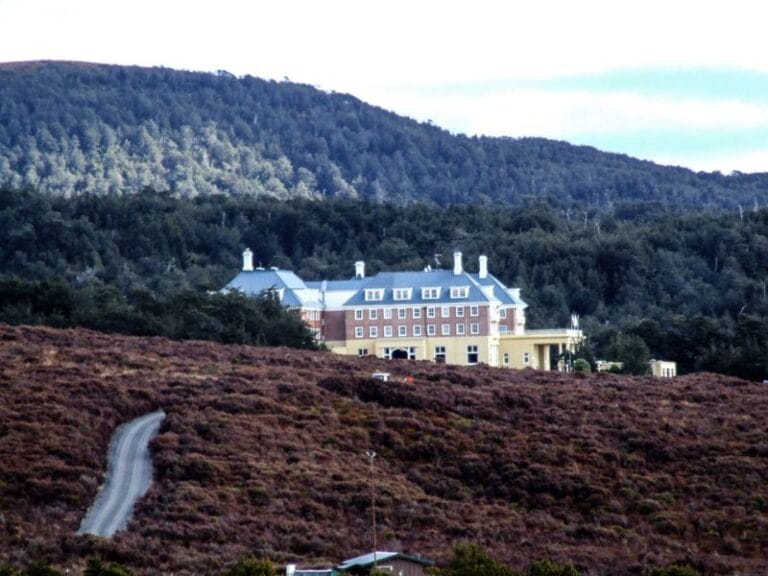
[503,294]
[256,282]
[351,284]
[443,279]
[367,560]
[335,294]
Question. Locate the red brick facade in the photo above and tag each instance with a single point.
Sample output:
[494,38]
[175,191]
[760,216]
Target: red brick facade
[457,314]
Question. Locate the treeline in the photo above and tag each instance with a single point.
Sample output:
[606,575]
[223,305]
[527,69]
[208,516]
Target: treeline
[70,128]
[230,318]
[690,288]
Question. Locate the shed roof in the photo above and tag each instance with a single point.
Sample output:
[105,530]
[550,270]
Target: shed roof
[368,559]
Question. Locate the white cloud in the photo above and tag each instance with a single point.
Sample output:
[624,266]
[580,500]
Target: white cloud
[746,162]
[370,48]
[350,45]
[568,113]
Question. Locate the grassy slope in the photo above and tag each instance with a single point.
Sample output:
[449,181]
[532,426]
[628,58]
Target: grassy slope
[262,452]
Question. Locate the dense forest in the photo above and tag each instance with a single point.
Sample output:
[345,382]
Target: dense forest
[71,128]
[646,283]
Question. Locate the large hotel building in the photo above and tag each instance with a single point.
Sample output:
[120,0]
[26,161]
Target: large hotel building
[449,316]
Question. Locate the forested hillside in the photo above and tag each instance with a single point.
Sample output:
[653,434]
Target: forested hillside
[71,128]
[690,288]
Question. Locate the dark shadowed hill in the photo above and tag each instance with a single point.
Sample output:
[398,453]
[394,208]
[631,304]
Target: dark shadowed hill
[262,452]
[69,128]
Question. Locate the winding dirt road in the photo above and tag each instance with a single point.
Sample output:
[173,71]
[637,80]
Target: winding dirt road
[129,476]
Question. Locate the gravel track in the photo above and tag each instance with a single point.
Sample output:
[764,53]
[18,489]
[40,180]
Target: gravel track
[129,476]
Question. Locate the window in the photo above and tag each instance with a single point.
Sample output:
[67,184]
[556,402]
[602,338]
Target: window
[460,328]
[373,332]
[445,329]
[387,331]
[374,294]
[430,329]
[526,358]
[503,330]
[430,293]
[373,313]
[402,294]
[459,311]
[474,311]
[402,331]
[502,313]
[474,328]
[459,291]
[387,313]
[358,314]
[440,354]
[431,312]
[402,313]
[417,313]
[506,359]
[445,311]
[472,356]
[358,332]
[417,330]
[362,351]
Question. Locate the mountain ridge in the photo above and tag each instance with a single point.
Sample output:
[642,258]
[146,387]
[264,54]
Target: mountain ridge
[68,128]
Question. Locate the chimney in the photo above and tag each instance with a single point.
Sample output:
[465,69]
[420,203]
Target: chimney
[247,260]
[457,267]
[359,269]
[483,272]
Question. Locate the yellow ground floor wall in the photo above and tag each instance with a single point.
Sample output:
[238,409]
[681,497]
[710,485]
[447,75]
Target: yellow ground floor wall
[456,348]
[536,350]
[663,368]
[508,351]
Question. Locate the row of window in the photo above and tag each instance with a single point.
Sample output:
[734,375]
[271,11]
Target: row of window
[440,355]
[526,358]
[416,331]
[431,312]
[473,357]
[403,294]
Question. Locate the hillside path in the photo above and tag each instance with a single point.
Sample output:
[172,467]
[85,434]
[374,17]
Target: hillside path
[129,476]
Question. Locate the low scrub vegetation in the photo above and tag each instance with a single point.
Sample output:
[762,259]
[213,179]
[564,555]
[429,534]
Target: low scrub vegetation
[262,453]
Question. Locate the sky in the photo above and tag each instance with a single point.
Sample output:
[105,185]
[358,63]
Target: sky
[677,82]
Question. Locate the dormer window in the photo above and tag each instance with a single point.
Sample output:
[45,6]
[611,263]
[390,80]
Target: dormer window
[374,294]
[430,293]
[459,291]
[402,293]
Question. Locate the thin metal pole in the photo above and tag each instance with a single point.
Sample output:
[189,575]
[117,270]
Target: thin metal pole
[371,455]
